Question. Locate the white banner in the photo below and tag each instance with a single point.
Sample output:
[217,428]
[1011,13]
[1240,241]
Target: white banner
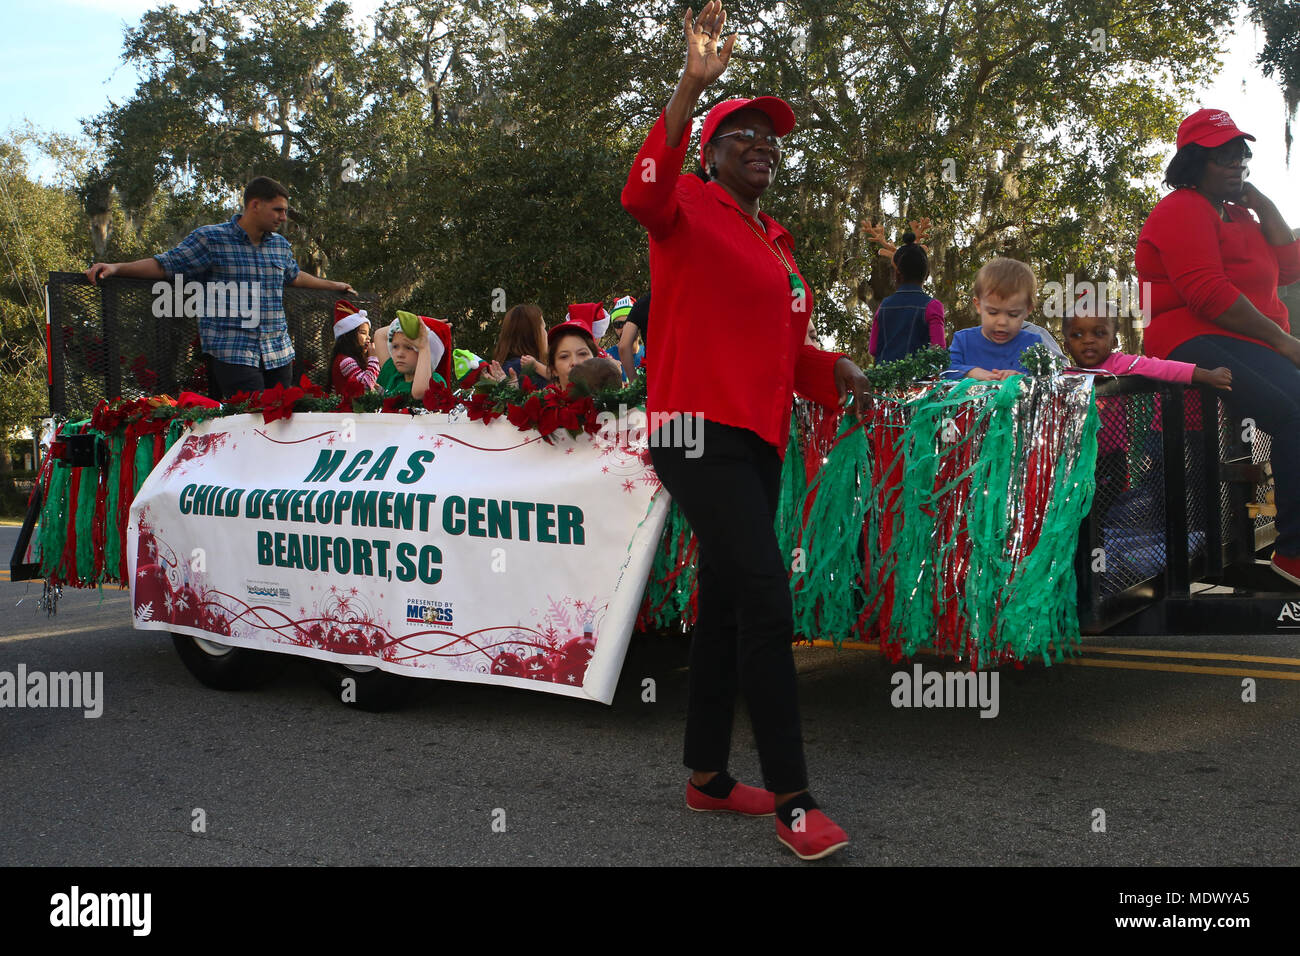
[429,546]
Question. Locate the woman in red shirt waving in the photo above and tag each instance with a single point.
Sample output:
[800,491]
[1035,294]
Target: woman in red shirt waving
[719,430]
[1209,275]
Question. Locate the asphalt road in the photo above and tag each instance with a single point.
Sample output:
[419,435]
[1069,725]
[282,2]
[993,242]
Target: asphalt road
[1185,772]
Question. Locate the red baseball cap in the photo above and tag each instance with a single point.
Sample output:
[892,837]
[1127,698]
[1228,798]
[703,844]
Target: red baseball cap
[1208,128]
[777,110]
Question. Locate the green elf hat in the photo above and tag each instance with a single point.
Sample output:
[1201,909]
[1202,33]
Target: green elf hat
[463,361]
[439,334]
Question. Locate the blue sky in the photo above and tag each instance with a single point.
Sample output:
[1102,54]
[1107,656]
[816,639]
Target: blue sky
[60,62]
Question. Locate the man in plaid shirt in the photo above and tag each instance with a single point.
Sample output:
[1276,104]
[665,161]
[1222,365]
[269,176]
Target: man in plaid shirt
[249,352]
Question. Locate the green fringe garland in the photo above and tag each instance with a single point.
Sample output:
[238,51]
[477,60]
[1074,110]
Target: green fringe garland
[789,509]
[112,540]
[986,523]
[912,551]
[828,594]
[85,521]
[1040,610]
[54,517]
[672,574]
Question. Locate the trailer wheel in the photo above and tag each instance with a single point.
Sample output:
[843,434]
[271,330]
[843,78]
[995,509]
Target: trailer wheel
[370,688]
[227,668]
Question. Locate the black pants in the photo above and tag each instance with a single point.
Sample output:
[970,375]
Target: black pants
[745,625]
[230,379]
[1266,388]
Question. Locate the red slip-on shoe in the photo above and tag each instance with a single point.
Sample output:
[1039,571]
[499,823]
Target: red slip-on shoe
[745,800]
[1288,568]
[820,836]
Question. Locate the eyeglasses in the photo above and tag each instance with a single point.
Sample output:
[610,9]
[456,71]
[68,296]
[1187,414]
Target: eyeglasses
[1230,154]
[747,138]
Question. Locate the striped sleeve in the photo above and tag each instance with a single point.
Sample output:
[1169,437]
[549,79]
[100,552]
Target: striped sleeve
[352,372]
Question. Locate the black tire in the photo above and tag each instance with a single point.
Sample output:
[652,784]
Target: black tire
[234,668]
[372,690]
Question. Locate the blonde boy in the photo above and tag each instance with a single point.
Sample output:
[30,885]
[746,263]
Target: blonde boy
[1005,293]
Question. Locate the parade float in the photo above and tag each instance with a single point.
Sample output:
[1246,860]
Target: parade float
[520,537]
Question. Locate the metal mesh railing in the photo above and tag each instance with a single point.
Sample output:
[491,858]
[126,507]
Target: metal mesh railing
[105,341]
[1141,509]
[1129,504]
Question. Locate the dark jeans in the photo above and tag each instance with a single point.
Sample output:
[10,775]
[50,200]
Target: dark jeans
[744,626]
[230,379]
[1265,387]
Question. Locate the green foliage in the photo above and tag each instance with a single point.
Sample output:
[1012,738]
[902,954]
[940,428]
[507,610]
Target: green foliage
[1280,57]
[460,157]
[1041,362]
[923,365]
[41,230]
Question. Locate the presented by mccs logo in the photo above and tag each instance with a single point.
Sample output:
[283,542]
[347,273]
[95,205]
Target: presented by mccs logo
[421,611]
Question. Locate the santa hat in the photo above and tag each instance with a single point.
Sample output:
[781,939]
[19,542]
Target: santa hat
[586,317]
[439,334]
[347,317]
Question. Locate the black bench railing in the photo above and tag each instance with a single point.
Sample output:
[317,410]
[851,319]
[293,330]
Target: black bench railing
[105,341]
[1176,476]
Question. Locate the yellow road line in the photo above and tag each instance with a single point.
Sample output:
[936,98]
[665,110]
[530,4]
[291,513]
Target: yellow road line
[1196,655]
[1184,668]
[1131,651]
[64,632]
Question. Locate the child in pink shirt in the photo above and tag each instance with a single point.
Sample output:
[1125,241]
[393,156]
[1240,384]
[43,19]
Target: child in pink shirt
[1090,341]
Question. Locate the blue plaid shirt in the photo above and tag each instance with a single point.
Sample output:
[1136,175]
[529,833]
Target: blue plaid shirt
[224,253]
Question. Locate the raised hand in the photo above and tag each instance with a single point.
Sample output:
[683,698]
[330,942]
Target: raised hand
[704,60]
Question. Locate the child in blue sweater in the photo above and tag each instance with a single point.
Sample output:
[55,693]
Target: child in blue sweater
[1005,292]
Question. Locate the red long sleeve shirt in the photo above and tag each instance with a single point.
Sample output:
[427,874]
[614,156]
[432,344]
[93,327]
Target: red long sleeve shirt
[1197,265]
[729,334]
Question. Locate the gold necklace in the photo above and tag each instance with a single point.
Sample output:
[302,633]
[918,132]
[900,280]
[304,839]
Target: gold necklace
[796,283]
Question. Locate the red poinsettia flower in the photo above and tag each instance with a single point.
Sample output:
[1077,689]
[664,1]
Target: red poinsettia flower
[439,398]
[278,402]
[526,415]
[548,421]
[396,403]
[585,409]
[309,388]
[479,408]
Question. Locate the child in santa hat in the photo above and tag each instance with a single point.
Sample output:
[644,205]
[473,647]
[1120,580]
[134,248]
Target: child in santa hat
[414,360]
[354,367]
[569,344]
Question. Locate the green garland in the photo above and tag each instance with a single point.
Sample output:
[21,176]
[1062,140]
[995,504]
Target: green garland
[789,510]
[923,365]
[1041,362]
[828,591]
